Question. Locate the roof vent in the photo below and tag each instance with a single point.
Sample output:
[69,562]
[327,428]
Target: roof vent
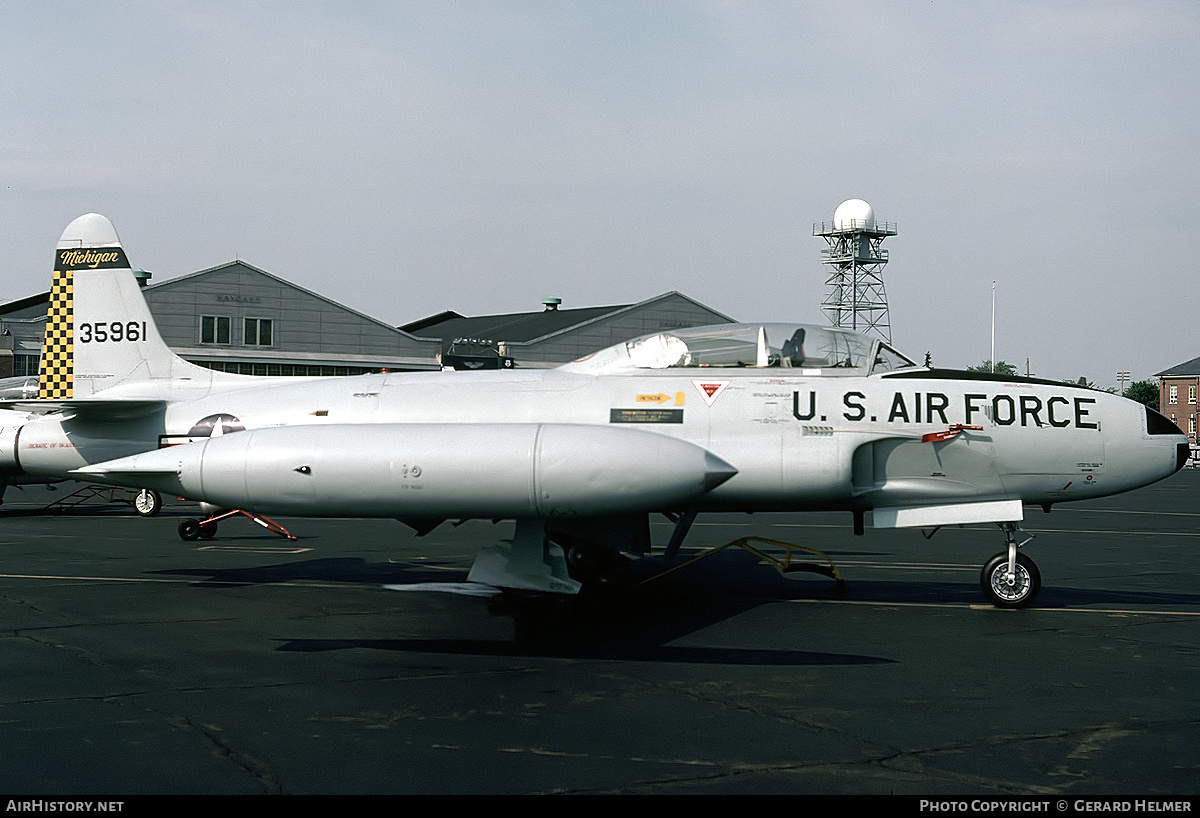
[551,304]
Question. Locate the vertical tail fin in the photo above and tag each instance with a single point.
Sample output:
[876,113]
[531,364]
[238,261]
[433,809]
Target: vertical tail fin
[99,331]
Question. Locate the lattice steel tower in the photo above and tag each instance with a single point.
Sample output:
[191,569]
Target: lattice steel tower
[855,297]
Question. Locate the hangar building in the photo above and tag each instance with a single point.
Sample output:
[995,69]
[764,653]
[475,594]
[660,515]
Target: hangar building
[556,336]
[236,317]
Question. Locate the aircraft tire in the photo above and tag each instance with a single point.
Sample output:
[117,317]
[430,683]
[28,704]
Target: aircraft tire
[1020,593]
[147,503]
[588,562]
[208,531]
[189,530]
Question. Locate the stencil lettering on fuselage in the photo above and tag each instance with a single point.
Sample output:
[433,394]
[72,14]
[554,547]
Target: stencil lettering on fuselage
[1002,409]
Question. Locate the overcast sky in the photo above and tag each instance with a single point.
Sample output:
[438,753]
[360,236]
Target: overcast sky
[406,158]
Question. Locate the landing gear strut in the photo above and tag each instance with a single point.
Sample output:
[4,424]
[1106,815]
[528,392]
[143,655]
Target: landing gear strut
[207,528]
[1011,579]
[147,503]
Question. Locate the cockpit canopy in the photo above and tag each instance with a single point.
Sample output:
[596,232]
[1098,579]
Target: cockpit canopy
[811,348]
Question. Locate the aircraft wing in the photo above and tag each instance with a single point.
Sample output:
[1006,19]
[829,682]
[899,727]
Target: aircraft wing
[87,409]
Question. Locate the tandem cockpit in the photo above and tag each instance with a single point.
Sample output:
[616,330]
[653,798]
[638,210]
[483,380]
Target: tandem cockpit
[811,350]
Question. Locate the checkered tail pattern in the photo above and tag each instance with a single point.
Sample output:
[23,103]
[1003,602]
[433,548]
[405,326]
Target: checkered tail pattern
[57,380]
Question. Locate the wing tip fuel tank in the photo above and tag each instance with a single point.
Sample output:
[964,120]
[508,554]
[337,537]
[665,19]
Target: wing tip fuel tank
[452,470]
[716,471]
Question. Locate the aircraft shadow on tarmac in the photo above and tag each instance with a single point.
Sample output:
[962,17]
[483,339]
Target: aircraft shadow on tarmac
[619,621]
[584,649]
[734,577]
[326,569]
[627,621]
[1080,597]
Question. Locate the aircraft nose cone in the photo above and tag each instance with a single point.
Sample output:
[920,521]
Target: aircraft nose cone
[716,471]
[1161,429]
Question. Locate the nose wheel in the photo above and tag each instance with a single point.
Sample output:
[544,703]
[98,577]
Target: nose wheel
[1011,579]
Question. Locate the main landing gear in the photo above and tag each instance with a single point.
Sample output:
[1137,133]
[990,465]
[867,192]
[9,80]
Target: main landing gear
[147,503]
[1011,579]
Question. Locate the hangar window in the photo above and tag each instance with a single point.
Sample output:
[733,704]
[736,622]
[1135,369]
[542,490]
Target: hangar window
[1174,398]
[1192,393]
[214,329]
[25,365]
[258,332]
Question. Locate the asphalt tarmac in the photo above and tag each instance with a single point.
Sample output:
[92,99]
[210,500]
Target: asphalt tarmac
[134,662]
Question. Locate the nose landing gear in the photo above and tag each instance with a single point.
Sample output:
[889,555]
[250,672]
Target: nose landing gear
[1011,579]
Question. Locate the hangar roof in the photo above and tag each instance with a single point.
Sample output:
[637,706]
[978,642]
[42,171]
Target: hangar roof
[524,327]
[517,326]
[33,306]
[239,268]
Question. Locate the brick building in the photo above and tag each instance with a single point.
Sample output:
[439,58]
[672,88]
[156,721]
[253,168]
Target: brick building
[1177,396]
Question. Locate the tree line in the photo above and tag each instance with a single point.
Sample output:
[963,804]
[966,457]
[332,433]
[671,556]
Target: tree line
[1145,392]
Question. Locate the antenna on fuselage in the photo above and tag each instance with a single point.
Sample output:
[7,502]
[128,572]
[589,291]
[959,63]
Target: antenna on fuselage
[855,298]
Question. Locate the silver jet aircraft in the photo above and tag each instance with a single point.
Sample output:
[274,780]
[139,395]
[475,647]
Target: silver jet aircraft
[740,417]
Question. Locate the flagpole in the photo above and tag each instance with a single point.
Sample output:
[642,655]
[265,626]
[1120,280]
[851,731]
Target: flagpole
[993,325]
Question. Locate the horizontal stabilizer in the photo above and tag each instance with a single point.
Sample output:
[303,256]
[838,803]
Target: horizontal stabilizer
[998,511]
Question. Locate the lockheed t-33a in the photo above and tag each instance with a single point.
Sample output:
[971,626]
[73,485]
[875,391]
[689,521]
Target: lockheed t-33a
[738,417]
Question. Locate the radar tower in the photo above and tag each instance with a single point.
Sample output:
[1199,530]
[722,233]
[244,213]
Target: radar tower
[855,297]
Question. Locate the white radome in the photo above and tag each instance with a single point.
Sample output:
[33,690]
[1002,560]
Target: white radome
[854,213]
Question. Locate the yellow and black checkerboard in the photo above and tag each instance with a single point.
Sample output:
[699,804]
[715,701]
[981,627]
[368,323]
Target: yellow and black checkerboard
[57,381]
